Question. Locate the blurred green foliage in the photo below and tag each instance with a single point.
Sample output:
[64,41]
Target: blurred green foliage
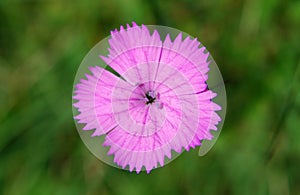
[255,43]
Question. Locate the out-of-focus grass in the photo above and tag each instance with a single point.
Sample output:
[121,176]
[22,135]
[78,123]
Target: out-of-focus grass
[255,43]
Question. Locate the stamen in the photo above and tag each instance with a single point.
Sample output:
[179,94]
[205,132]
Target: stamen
[150,95]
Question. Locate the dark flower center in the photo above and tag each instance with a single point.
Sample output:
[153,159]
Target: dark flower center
[150,96]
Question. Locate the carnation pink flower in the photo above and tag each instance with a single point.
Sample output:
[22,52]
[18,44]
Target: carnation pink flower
[154,101]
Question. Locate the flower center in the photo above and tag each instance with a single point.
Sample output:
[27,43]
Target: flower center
[150,97]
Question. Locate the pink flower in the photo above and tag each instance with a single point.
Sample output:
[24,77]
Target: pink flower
[160,103]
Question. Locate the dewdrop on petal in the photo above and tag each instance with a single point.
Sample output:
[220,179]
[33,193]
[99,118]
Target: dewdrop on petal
[145,94]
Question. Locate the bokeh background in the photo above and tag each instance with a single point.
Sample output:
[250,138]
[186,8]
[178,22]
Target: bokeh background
[255,43]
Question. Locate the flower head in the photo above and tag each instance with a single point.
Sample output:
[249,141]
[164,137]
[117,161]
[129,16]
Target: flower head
[157,102]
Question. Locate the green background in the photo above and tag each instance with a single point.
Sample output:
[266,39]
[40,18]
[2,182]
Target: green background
[255,43]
